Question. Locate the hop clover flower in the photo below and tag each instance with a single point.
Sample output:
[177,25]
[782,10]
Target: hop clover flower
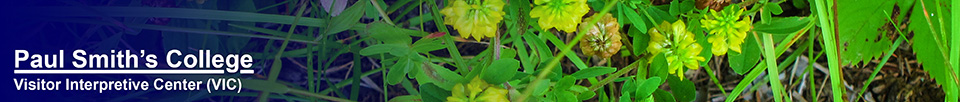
[561,14]
[470,92]
[677,45]
[727,30]
[603,38]
[476,18]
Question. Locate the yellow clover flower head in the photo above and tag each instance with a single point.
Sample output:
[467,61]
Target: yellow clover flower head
[727,30]
[477,91]
[561,14]
[603,38]
[476,18]
[677,45]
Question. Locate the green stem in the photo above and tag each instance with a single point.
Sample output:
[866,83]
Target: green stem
[616,75]
[715,80]
[566,49]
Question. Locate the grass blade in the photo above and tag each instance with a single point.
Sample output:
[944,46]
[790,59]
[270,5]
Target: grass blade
[773,73]
[955,41]
[277,65]
[830,42]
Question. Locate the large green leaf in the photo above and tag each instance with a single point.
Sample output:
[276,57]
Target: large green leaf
[787,25]
[663,96]
[346,19]
[929,44]
[859,27]
[432,93]
[500,70]
[683,89]
[390,34]
[647,87]
[381,48]
[743,62]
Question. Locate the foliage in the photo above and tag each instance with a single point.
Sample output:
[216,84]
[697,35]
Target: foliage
[649,45]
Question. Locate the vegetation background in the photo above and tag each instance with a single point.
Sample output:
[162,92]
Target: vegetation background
[532,50]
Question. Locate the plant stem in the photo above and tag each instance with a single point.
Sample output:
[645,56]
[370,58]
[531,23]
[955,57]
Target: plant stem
[616,75]
[566,49]
[715,80]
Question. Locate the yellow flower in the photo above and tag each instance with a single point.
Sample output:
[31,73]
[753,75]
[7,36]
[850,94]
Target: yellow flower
[474,18]
[470,92]
[727,30]
[561,14]
[603,38]
[677,45]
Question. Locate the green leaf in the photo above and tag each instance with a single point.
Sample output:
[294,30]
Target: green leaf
[541,88]
[432,93]
[929,43]
[390,34]
[629,86]
[399,71]
[500,70]
[659,66]
[346,19]
[659,15]
[773,8]
[640,42]
[586,95]
[593,72]
[687,6]
[565,83]
[675,7]
[625,97]
[707,51]
[565,96]
[861,34]
[507,53]
[663,96]
[787,25]
[684,90]
[647,87]
[425,46]
[380,48]
[743,62]
[636,20]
